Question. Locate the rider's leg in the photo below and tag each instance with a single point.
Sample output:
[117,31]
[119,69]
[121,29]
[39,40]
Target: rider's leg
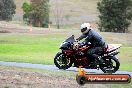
[92,54]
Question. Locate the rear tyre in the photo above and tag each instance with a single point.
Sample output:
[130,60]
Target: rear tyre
[111,65]
[62,62]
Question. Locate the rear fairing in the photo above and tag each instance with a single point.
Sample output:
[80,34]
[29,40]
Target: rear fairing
[112,50]
[113,47]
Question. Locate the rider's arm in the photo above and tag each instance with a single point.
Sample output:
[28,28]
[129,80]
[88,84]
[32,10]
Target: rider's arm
[81,37]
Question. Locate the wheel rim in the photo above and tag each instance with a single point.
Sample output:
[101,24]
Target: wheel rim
[109,66]
[63,60]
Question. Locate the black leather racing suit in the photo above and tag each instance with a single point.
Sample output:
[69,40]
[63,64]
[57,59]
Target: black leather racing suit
[97,42]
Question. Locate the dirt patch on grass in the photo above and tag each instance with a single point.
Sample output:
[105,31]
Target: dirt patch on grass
[12,78]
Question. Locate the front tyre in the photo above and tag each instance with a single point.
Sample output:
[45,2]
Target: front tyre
[111,65]
[62,62]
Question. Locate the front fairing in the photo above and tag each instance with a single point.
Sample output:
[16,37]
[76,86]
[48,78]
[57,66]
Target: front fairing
[70,39]
[67,44]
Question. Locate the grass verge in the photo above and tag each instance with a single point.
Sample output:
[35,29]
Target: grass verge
[41,48]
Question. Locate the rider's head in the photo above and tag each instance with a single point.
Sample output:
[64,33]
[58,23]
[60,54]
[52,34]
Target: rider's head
[85,27]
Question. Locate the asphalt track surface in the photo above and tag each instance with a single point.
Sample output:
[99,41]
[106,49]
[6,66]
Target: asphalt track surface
[54,68]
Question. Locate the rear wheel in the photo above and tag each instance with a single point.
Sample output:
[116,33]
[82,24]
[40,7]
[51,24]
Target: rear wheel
[111,65]
[62,62]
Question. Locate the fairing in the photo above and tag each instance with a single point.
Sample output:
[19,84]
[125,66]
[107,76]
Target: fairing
[112,47]
[67,43]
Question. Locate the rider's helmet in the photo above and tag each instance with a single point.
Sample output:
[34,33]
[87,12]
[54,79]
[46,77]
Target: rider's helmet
[85,27]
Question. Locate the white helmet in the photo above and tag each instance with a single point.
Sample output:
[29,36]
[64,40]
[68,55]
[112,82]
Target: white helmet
[85,27]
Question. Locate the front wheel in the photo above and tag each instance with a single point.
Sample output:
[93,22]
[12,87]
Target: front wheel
[62,62]
[111,65]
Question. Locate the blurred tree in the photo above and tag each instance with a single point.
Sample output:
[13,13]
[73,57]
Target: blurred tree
[37,13]
[27,8]
[115,15]
[7,9]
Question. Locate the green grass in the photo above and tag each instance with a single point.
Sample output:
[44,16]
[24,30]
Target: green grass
[41,48]
[28,48]
[119,85]
[125,57]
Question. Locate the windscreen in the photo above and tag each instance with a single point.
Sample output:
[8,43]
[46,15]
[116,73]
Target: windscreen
[70,39]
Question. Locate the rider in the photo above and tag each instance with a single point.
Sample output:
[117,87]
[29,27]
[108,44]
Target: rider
[97,42]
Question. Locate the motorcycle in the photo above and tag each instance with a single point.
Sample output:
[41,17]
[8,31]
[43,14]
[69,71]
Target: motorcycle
[71,54]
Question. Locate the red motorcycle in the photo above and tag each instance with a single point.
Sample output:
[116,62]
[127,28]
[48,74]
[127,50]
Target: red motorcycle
[70,55]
